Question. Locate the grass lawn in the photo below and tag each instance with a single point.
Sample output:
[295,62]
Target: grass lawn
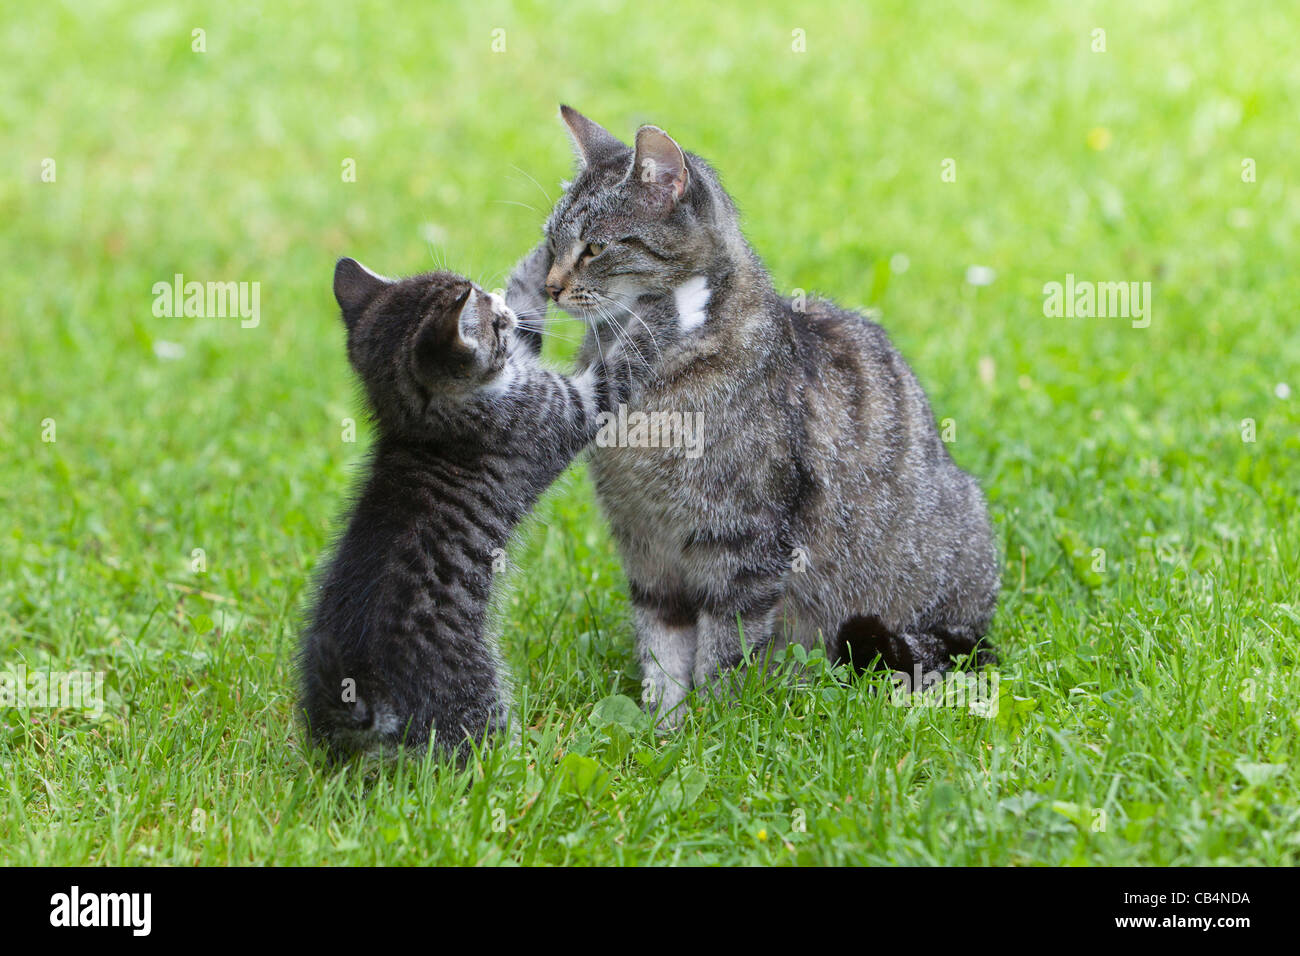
[1142,478]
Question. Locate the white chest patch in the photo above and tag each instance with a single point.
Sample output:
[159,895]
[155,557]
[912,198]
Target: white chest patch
[692,296]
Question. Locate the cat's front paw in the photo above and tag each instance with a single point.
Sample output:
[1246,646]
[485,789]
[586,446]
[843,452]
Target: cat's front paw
[526,295]
[526,288]
[667,707]
[671,721]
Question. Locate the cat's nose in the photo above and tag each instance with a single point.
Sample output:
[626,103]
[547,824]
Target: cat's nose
[555,279]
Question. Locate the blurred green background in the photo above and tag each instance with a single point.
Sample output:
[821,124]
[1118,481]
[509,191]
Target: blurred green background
[1154,689]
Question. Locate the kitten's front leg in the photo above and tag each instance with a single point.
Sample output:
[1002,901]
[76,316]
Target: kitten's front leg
[599,389]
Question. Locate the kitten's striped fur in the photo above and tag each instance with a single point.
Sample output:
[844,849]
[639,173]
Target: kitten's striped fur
[471,430]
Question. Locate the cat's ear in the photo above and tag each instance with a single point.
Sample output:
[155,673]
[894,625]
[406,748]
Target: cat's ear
[355,287]
[660,165]
[591,141]
[446,340]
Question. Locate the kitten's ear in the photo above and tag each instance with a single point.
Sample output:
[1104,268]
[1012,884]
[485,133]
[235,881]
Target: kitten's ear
[469,321]
[660,164]
[355,287]
[447,339]
[591,141]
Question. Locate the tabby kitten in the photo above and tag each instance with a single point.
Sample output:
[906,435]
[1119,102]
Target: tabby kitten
[824,510]
[471,430]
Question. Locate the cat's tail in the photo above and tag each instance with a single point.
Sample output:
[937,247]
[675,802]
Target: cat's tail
[864,641]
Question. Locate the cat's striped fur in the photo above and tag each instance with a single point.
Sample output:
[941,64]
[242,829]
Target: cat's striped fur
[471,430]
[824,509]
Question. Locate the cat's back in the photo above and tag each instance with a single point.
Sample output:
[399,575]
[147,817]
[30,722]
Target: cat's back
[859,392]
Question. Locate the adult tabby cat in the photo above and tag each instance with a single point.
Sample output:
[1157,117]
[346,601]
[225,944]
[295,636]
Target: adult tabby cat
[471,430]
[824,509]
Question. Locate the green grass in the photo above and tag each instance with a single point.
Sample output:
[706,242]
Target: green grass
[1161,690]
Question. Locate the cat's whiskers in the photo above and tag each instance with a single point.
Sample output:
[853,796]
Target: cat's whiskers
[595,334]
[536,324]
[534,320]
[627,336]
[621,333]
[568,339]
[635,315]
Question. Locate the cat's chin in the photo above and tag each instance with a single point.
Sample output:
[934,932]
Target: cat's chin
[586,313]
[617,301]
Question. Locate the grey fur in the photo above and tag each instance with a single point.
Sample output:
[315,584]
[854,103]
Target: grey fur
[820,450]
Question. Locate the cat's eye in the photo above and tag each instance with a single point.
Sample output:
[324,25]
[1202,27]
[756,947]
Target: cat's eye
[594,249]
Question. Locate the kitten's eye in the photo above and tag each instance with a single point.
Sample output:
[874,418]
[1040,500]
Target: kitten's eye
[594,249]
